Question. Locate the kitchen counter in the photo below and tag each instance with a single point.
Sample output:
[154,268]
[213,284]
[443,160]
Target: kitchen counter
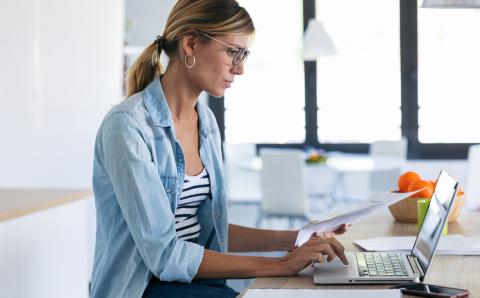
[22,201]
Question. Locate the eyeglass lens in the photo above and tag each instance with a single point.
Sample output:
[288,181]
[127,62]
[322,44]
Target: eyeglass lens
[240,56]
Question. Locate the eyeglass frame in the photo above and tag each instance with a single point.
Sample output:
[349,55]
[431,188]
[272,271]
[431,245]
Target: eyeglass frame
[236,50]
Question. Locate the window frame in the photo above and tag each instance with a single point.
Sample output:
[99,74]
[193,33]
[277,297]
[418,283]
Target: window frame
[409,98]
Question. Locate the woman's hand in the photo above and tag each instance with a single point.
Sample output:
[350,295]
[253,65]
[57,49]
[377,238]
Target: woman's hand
[342,229]
[312,251]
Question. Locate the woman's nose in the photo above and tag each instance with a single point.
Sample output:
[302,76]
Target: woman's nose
[238,69]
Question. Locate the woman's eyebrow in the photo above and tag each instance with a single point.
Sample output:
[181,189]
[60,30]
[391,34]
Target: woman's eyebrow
[237,46]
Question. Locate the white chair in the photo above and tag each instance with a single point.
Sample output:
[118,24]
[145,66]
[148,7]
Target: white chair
[472,191]
[387,180]
[389,148]
[283,185]
[242,185]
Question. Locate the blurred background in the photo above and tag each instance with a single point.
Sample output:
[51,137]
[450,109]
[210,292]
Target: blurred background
[363,90]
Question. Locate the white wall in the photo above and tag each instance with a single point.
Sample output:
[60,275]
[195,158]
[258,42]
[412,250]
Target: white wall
[61,71]
[145,20]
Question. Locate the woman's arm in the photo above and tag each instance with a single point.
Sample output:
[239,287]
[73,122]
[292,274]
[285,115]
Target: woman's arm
[243,239]
[220,265]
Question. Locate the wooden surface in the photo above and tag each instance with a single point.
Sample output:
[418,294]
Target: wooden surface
[454,271]
[19,202]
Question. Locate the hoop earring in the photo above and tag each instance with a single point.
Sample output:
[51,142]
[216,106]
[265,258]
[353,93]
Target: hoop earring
[190,65]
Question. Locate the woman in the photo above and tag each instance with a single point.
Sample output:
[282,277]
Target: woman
[161,216]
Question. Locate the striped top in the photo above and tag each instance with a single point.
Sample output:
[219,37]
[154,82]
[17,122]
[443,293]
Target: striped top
[195,190]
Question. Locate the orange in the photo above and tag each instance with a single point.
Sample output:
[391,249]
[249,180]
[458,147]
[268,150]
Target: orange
[460,191]
[419,184]
[405,179]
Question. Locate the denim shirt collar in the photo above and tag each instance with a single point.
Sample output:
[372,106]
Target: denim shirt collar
[157,106]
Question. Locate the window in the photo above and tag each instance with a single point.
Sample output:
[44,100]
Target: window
[266,104]
[399,70]
[448,75]
[358,87]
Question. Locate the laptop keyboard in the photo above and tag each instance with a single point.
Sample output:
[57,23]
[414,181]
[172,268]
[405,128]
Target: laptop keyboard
[381,264]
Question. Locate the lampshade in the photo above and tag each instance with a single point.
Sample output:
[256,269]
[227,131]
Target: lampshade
[451,4]
[316,41]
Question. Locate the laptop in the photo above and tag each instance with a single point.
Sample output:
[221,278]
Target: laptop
[391,267]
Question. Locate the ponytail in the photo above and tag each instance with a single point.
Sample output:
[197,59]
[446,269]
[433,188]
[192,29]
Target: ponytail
[145,68]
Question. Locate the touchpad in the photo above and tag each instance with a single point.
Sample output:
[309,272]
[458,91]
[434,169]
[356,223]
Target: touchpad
[335,270]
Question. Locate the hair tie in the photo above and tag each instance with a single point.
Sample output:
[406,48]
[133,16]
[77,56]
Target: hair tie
[159,41]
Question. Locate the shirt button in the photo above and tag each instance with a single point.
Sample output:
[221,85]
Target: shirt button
[221,243]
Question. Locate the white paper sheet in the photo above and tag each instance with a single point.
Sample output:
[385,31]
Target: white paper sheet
[373,203]
[449,244]
[330,293]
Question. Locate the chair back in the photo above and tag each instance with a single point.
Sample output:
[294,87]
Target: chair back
[283,182]
[389,148]
[387,180]
[472,191]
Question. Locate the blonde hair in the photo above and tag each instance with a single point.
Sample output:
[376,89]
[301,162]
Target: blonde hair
[213,17]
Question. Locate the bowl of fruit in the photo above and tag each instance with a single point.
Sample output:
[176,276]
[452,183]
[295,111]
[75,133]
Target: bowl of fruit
[315,156]
[406,209]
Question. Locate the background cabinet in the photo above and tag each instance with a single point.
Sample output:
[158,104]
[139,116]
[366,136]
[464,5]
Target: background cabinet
[47,254]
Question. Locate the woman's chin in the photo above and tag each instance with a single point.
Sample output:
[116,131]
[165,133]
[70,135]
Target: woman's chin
[217,93]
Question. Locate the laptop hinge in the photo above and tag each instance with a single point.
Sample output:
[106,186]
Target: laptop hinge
[415,265]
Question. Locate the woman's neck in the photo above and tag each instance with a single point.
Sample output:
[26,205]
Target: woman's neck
[180,94]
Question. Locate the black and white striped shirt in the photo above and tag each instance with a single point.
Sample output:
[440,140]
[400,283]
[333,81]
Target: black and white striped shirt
[195,190]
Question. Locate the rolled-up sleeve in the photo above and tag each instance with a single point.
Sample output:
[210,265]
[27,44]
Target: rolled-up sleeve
[144,202]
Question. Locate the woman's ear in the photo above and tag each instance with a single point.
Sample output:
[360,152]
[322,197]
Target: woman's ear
[188,44]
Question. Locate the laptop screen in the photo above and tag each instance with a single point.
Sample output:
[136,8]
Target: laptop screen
[435,218]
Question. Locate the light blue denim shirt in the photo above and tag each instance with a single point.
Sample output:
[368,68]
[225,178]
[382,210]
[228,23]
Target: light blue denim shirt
[138,175]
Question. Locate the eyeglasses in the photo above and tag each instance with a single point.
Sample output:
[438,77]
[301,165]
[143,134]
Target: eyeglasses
[239,54]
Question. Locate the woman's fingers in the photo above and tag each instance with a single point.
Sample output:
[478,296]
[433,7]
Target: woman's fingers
[342,229]
[327,249]
[318,258]
[331,247]
[315,250]
[339,250]
[317,245]
[323,235]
